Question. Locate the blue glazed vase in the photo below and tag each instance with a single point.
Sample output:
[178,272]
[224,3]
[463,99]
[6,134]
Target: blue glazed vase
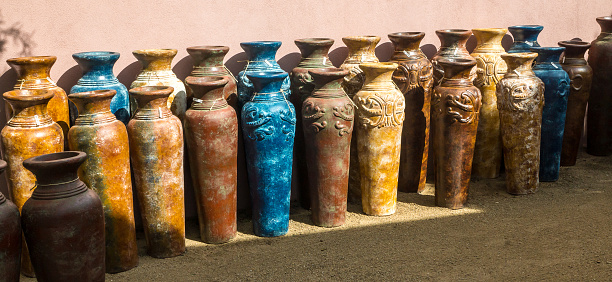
[268,125]
[98,75]
[556,91]
[261,59]
[525,37]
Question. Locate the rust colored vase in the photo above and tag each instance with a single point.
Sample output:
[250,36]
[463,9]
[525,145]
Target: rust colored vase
[380,110]
[490,69]
[414,78]
[314,55]
[104,139]
[581,75]
[452,46]
[456,106]
[520,97]
[156,153]
[599,115]
[10,238]
[30,132]
[211,132]
[63,221]
[328,116]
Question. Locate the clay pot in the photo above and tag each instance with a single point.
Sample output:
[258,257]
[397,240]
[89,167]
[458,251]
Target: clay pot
[599,115]
[525,37]
[452,46]
[556,90]
[30,132]
[456,106]
[63,221]
[490,70]
[211,132]
[414,77]
[157,71]
[208,61]
[328,115]
[361,49]
[314,55]
[268,125]
[520,97]
[104,139]
[156,152]
[10,237]
[380,110]
[581,75]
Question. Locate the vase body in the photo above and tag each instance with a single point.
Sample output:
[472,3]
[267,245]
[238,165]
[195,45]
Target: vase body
[156,154]
[490,70]
[414,77]
[520,97]
[599,115]
[556,91]
[157,71]
[525,37]
[268,125]
[361,49]
[380,114]
[211,133]
[328,116]
[10,237]
[104,139]
[314,55]
[30,132]
[581,75]
[61,199]
[452,46]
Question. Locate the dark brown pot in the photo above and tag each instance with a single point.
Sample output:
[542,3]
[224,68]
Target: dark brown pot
[456,106]
[414,78]
[63,221]
[10,238]
[328,116]
[211,132]
[104,139]
[581,76]
[156,152]
[452,46]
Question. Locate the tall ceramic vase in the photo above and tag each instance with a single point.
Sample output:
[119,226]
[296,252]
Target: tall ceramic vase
[63,221]
[361,49]
[104,139]
[211,133]
[156,154]
[490,70]
[452,46]
[10,237]
[525,37]
[98,75]
[556,90]
[30,132]
[314,55]
[581,75]
[599,115]
[520,100]
[456,106]
[380,115]
[328,116]
[157,71]
[414,77]
[268,125]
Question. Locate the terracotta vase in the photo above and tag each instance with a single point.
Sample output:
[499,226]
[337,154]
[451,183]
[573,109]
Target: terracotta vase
[581,75]
[10,237]
[157,71]
[490,70]
[456,106]
[314,55]
[156,154]
[520,97]
[452,46]
[525,37]
[328,115]
[361,49]
[60,199]
[380,110]
[414,78]
[30,132]
[599,115]
[211,133]
[208,61]
[104,139]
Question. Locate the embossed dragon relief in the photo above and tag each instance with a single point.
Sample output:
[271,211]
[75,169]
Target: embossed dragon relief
[380,110]
[304,84]
[258,123]
[519,95]
[408,77]
[490,69]
[353,81]
[313,112]
[463,108]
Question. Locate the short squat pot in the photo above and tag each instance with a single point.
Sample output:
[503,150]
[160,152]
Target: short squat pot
[10,237]
[525,37]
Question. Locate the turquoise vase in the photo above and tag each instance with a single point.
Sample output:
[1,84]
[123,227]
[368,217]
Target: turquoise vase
[525,37]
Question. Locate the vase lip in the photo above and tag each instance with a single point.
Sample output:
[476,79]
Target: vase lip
[381,65]
[210,81]
[32,60]
[208,48]
[534,27]
[96,54]
[315,41]
[54,159]
[28,95]
[407,34]
[604,18]
[523,55]
[491,29]
[95,94]
[574,44]
[329,72]
[163,52]
[261,43]
[368,38]
[457,62]
[453,31]
[157,90]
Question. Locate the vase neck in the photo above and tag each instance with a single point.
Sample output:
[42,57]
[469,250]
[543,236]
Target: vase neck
[378,76]
[56,174]
[328,83]
[208,92]
[605,23]
[268,86]
[406,45]
[527,33]
[548,57]
[488,40]
[32,68]
[208,60]
[574,52]
[152,102]
[261,54]
[453,38]
[519,64]
[314,52]
[29,108]
[457,72]
[361,49]
[93,107]
[155,59]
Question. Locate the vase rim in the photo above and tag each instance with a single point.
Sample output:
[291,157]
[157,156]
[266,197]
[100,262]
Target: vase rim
[380,65]
[491,29]
[453,30]
[207,80]
[31,60]
[28,95]
[524,55]
[156,52]
[153,90]
[360,37]
[81,55]
[574,43]
[262,42]
[527,26]
[54,159]
[604,18]
[457,62]
[315,40]
[329,71]
[103,93]
[208,47]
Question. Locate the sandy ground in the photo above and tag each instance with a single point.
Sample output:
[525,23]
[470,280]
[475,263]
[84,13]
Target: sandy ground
[561,233]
